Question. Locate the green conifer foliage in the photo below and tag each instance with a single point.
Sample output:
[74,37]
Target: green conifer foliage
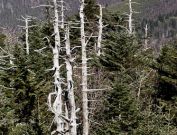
[166,86]
[159,117]
[26,85]
[39,62]
[119,51]
[91,10]
[167,72]
[22,95]
[120,114]
[22,129]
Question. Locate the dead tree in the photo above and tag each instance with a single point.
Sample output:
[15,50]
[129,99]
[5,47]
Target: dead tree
[62,13]
[130,20]
[26,19]
[100,32]
[84,42]
[61,102]
[57,106]
[70,86]
[65,113]
[130,17]
[84,71]
[146,37]
[27,35]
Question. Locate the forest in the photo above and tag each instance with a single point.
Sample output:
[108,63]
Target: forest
[96,72]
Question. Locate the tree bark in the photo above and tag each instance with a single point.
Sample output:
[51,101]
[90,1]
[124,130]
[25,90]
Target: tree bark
[146,37]
[70,90]
[27,35]
[57,106]
[130,17]
[100,31]
[62,14]
[84,71]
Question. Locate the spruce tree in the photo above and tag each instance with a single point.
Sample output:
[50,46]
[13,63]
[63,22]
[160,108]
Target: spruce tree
[20,81]
[25,86]
[120,114]
[166,86]
[91,10]
[166,67]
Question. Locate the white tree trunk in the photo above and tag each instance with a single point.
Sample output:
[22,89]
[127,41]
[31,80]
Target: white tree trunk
[130,17]
[84,72]
[62,14]
[100,31]
[57,106]
[58,101]
[69,60]
[67,125]
[146,37]
[27,35]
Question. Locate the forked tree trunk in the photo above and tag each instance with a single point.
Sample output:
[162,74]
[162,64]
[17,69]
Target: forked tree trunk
[57,106]
[58,101]
[84,71]
[70,90]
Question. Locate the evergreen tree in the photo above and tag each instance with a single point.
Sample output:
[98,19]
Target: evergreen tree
[120,114]
[166,67]
[25,86]
[91,10]
[22,94]
[158,116]
[166,86]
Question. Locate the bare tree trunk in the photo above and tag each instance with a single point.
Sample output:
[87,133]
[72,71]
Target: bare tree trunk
[146,37]
[26,19]
[27,35]
[57,106]
[100,31]
[84,72]
[70,90]
[62,14]
[58,102]
[67,126]
[130,17]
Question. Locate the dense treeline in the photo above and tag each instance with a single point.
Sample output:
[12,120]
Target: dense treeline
[139,88]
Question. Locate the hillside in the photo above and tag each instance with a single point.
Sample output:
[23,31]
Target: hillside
[160,15]
[92,73]
[149,9]
[10,10]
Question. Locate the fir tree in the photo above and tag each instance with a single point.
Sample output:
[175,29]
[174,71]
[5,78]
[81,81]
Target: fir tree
[120,115]
[20,82]
[166,86]
[91,10]
[167,73]
[26,85]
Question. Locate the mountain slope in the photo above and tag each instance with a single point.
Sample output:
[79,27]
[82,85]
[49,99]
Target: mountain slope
[149,9]
[160,15]
[10,10]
